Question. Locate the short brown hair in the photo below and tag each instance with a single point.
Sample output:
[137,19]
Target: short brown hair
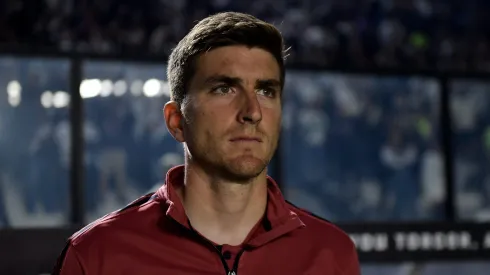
[222,29]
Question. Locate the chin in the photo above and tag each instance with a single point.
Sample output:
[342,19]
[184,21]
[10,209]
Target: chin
[245,168]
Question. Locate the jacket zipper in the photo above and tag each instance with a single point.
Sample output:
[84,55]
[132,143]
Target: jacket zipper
[234,270]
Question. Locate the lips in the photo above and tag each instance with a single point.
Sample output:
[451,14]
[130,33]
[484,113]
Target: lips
[246,139]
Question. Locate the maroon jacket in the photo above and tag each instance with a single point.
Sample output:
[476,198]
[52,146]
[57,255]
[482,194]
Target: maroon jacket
[152,236]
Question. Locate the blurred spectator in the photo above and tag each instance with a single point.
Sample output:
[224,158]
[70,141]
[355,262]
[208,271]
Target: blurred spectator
[470,125]
[399,156]
[419,34]
[47,143]
[113,157]
[432,180]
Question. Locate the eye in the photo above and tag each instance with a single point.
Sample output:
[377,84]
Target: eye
[268,92]
[223,89]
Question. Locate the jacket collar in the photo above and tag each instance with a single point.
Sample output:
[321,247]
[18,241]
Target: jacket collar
[279,218]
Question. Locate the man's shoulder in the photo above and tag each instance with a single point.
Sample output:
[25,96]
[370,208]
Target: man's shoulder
[322,230]
[331,242]
[125,218]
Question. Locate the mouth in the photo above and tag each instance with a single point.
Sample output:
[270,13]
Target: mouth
[246,139]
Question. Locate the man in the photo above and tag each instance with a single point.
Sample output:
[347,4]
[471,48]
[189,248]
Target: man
[220,213]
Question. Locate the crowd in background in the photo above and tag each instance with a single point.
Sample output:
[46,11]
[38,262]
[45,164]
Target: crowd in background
[377,141]
[372,140]
[364,147]
[404,34]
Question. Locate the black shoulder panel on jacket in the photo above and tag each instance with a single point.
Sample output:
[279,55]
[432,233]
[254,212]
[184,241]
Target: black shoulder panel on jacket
[308,212]
[140,201]
[60,260]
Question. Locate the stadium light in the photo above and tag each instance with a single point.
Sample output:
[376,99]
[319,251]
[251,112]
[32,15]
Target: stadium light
[47,99]
[90,88]
[106,88]
[14,90]
[152,87]
[120,87]
[61,99]
[136,87]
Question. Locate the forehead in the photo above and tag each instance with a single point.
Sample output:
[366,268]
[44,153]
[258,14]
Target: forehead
[237,61]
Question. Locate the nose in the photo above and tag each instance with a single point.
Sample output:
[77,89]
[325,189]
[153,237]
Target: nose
[250,110]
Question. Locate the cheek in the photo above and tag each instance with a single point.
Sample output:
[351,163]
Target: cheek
[206,123]
[267,103]
[272,116]
[222,101]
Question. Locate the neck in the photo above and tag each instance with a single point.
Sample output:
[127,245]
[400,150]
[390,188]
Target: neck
[222,211]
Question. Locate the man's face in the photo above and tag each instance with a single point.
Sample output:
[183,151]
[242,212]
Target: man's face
[233,111]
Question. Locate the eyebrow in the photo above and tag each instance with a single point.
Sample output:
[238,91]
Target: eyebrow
[223,79]
[260,83]
[268,83]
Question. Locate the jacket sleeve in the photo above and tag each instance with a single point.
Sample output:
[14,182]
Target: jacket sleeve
[352,267]
[69,263]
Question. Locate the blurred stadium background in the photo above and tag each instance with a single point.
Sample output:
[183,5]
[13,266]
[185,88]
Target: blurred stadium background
[386,122]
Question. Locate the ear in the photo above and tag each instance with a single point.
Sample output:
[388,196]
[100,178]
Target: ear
[174,120]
